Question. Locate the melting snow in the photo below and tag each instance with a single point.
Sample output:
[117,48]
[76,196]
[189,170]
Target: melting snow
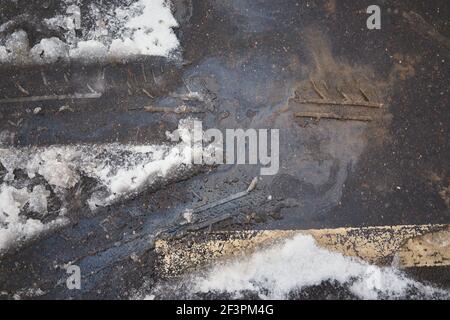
[298,263]
[144,27]
[14,227]
[119,171]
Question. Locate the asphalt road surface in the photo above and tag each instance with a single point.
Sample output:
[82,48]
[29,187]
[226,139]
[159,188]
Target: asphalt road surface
[256,64]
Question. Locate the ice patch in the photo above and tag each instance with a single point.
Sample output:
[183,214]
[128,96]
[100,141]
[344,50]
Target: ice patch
[144,27]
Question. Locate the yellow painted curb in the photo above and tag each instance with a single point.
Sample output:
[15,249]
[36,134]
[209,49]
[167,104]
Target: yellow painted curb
[404,246]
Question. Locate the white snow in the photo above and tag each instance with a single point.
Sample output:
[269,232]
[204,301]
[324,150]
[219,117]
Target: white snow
[91,49]
[159,162]
[15,228]
[150,32]
[120,171]
[49,51]
[53,163]
[145,27]
[28,293]
[297,263]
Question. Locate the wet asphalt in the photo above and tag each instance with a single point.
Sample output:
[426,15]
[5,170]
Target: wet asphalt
[254,61]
